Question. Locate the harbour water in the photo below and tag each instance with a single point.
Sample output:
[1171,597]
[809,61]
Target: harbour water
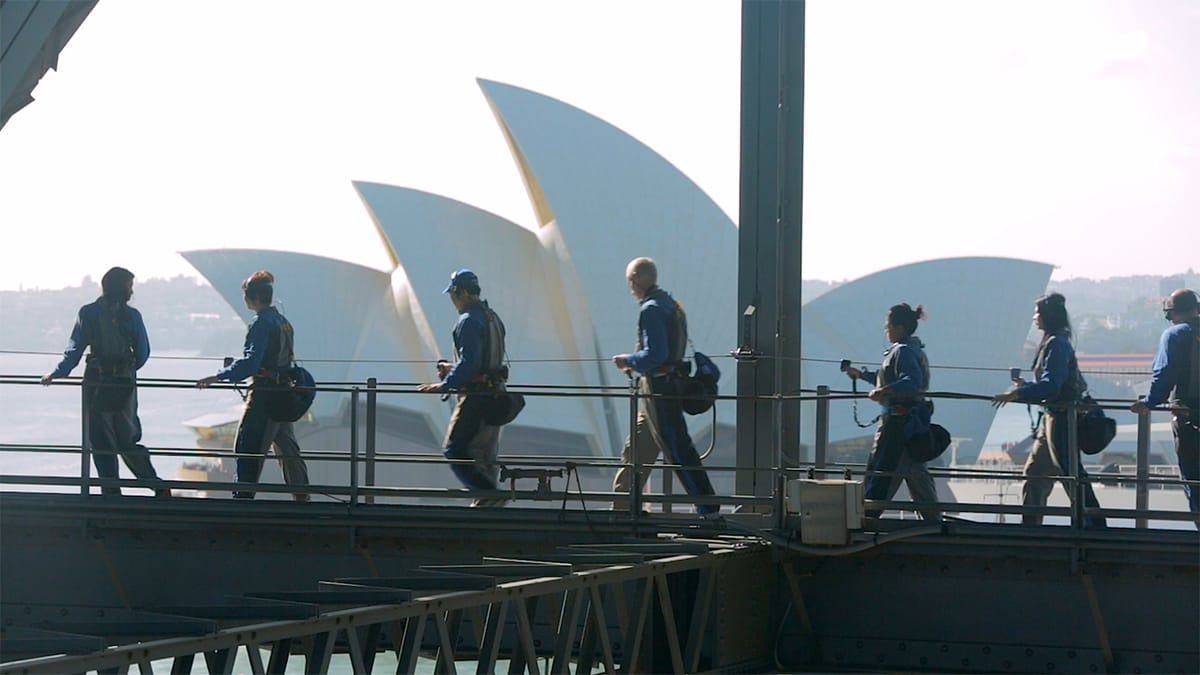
[35,415]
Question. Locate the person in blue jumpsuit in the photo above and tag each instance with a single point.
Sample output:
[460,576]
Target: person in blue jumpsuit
[1177,367]
[115,337]
[477,372]
[660,367]
[1057,381]
[898,387]
[267,357]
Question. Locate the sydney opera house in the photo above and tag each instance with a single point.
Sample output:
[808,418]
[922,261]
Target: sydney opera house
[600,197]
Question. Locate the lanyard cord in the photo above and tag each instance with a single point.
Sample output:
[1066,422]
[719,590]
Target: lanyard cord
[854,388]
[1033,424]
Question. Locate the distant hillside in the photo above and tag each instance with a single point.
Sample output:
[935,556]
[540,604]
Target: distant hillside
[811,289]
[1120,315]
[181,313]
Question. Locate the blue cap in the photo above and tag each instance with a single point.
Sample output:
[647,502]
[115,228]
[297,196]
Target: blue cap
[464,279]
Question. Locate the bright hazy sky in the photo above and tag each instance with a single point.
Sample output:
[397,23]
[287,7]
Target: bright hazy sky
[1065,132]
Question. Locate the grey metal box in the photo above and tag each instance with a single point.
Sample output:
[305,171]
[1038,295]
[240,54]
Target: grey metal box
[828,509]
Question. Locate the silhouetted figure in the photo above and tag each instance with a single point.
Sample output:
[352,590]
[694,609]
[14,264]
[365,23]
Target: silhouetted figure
[267,359]
[115,337]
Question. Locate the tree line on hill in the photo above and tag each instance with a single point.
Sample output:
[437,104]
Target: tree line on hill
[182,314]
[1119,315]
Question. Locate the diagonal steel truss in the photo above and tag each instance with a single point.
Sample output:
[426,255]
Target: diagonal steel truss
[593,605]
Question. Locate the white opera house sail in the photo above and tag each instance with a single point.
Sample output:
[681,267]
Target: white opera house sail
[601,198]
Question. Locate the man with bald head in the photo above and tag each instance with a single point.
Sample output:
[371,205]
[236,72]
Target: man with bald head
[660,366]
[1177,367]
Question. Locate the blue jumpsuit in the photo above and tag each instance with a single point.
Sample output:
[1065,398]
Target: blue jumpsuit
[905,372]
[1057,381]
[660,424]
[268,346]
[468,436]
[118,432]
[1175,369]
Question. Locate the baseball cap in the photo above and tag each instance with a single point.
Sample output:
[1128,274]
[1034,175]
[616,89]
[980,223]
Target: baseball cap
[464,279]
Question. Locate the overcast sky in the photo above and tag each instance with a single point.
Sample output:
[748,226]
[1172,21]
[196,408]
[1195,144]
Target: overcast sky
[1065,132]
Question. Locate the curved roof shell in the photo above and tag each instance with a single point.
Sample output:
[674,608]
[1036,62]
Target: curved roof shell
[979,311]
[517,276]
[602,198]
[349,325]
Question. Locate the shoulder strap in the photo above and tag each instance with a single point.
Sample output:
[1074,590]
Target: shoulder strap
[287,343]
[924,361]
[681,341]
[279,354]
[1193,393]
[495,351]
[677,333]
[1078,387]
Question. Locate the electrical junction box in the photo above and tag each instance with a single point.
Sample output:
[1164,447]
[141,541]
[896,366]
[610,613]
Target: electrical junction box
[828,509]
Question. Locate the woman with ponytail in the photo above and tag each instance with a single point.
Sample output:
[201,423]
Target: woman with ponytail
[900,385]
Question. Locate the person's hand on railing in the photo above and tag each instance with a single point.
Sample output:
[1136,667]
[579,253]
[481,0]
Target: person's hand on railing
[205,382]
[999,400]
[443,369]
[47,379]
[1139,408]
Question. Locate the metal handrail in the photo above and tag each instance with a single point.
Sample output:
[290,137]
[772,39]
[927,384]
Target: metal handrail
[364,466]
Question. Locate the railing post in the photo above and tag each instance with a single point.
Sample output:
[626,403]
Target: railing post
[1143,469]
[354,445]
[369,477]
[668,489]
[1074,465]
[85,445]
[778,503]
[635,485]
[821,442]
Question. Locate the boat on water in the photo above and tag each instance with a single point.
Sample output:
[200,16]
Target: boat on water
[218,429]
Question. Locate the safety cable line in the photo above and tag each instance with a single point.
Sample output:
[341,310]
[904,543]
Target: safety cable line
[1090,371]
[797,395]
[763,357]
